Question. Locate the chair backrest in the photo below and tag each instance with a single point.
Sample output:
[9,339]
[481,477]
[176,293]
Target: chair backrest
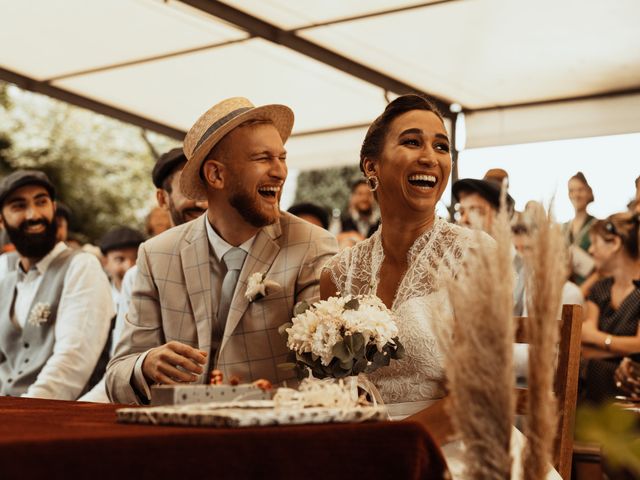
[565,384]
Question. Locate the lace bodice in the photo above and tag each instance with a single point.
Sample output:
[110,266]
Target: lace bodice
[419,301]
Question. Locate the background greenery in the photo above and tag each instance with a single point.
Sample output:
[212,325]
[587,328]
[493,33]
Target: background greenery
[100,166]
[329,188]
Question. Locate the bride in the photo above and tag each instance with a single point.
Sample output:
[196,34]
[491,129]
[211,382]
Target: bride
[406,159]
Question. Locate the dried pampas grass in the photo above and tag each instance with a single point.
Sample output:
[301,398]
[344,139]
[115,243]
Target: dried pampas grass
[479,354]
[547,275]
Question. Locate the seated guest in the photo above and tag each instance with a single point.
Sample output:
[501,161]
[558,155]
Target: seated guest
[179,209]
[63,218]
[311,213]
[120,249]
[627,377]
[479,203]
[190,311]
[613,307]
[497,175]
[157,222]
[55,307]
[362,216]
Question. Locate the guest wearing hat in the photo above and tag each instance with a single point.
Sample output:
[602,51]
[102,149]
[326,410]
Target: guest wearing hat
[180,209]
[191,312]
[55,307]
[158,221]
[119,246]
[63,218]
[312,213]
[479,203]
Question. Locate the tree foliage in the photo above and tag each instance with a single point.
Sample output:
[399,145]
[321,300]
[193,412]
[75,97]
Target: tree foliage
[329,188]
[101,167]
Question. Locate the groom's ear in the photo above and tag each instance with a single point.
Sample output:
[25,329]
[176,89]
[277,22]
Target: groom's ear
[213,174]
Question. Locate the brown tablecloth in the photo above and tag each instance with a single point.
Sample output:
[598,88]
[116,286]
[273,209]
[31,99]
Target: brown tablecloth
[57,439]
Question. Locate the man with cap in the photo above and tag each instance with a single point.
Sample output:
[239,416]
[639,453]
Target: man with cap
[191,312]
[479,203]
[119,246]
[180,209]
[55,307]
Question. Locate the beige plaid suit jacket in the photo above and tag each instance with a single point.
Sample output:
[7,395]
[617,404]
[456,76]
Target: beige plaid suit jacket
[175,297]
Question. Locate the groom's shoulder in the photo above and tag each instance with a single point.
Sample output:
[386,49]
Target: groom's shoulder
[295,231]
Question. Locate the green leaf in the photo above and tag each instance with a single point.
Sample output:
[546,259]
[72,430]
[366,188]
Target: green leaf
[357,340]
[282,329]
[341,352]
[352,304]
[398,352]
[301,307]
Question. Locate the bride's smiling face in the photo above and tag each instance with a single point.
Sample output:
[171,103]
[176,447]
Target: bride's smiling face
[414,165]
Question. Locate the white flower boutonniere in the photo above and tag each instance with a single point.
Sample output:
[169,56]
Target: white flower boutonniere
[258,287]
[40,313]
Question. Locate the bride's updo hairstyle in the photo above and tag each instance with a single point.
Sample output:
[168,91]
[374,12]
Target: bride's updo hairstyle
[374,139]
[624,225]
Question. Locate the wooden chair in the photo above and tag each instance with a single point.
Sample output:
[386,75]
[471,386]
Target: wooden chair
[565,384]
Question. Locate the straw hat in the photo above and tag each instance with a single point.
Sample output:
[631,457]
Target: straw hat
[214,124]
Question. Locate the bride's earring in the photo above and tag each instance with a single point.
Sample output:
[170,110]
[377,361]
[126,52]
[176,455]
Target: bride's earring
[373,183]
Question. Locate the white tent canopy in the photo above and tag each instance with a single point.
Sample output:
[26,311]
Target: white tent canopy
[521,71]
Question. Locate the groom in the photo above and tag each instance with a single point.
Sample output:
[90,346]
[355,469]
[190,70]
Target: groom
[190,311]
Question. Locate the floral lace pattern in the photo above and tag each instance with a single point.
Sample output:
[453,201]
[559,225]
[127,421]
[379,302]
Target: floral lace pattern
[419,300]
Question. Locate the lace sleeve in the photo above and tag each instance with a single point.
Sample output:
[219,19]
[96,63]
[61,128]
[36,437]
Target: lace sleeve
[351,269]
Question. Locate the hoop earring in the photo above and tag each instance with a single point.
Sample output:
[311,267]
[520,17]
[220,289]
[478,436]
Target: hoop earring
[373,183]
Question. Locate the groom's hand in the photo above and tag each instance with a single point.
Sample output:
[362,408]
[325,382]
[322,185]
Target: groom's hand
[173,363]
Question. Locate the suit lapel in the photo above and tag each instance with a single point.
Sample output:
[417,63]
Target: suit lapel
[197,274]
[263,252]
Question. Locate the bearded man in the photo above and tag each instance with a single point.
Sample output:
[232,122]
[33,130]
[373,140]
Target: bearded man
[55,303]
[191,312]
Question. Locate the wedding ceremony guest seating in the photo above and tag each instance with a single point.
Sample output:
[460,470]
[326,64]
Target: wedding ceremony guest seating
[565,384]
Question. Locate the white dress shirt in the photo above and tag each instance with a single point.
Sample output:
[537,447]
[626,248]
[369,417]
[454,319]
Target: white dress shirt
[219,246]
[81,327]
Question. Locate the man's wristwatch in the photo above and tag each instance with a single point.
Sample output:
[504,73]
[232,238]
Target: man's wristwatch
[607,342]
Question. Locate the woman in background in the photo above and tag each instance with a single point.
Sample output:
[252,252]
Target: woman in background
[577,229]
[612,309]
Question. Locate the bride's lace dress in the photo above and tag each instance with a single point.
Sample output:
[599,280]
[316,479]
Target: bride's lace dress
[420,300]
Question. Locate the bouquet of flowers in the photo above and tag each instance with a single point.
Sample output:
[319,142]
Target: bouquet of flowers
[342,336]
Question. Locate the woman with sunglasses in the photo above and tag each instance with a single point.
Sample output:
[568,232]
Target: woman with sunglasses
[612,309]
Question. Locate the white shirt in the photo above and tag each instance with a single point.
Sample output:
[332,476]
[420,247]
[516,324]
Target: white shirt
[81,327]
[219,247]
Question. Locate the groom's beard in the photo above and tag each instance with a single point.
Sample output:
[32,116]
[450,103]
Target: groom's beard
[33,245]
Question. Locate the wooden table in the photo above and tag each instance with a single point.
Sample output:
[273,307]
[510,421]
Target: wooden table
[59,439]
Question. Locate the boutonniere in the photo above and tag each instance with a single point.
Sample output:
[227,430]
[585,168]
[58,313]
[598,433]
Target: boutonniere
[258,287]
[40,313]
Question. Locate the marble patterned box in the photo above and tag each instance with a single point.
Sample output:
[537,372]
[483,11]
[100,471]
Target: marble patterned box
[247,414]
[190,394]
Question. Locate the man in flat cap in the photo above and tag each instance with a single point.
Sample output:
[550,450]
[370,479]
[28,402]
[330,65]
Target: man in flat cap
[166,178]
[55,307]
[191,311]
[479,203]
[119,246]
